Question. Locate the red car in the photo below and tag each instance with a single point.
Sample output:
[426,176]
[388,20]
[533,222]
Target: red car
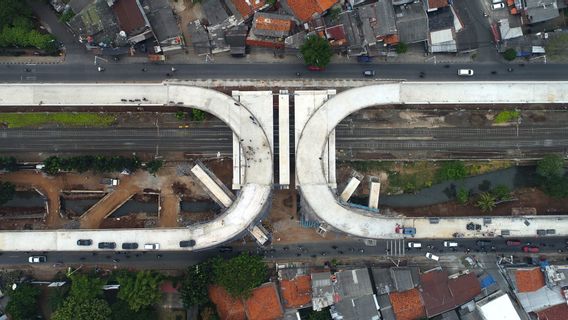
[531,249]
[315,68]
[513,242]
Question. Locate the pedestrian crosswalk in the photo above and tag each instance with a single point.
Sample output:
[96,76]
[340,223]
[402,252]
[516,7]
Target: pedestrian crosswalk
[395,248]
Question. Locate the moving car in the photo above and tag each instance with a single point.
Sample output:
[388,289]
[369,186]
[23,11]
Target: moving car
[84,242]
[414,245]
[225,249]
[531,249]
[107,245]
[100,69]
[37,259]
[432,257]
[152,246]
[450,244]
[187,243]
[483,243]
[315,68]
[465,72]
[513,242]
[369,73]
[496,6]
[130,245]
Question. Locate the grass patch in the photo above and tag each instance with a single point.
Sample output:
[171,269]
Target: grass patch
[476,168]
[21,120]
[507,116]
[367,166]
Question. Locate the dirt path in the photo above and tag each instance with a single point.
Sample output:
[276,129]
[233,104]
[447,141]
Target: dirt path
[49,186]
[169,208]
[93,218]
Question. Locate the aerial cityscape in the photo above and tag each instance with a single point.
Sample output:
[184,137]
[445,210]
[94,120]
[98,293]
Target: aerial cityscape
[283,159]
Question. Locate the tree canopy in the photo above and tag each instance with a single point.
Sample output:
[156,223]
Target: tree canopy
[121,311]
[240,275]
[139,290]
[81,164]
[23,302]
[316,51]
[550,166]
[194,284]
[16,27]
[75,308]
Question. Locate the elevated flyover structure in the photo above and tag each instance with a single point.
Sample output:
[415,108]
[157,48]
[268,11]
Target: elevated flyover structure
[253,198]
[311,168]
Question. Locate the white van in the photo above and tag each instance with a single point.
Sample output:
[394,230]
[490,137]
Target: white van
[450,244]
[152,246]
[416,245]
[465,72]
[432,257]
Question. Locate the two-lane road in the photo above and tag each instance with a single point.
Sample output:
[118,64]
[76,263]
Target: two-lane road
[120,72]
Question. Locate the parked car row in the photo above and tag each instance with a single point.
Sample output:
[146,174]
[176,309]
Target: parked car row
[132,245]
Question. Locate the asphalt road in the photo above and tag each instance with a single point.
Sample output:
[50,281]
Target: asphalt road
[309,252]
[349,139]
[118,72]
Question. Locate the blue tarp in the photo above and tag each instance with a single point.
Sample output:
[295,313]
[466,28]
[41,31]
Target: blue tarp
[487,281]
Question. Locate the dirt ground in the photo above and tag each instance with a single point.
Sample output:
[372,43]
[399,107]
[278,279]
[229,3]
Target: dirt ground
[187,12]
[528,198]
[95,217]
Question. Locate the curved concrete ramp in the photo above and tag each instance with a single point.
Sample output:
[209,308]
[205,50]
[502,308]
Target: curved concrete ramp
[253,198]
[322,200]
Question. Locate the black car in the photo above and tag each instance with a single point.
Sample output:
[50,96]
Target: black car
[187,243]
[473,226]
[483,243]
[84,242]
[225,249]
[130,245]
[107,245]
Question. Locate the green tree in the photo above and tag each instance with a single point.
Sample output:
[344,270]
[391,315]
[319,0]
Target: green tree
[121,311]
[401,48]
[510,54]
[501,192]
[556,187]
[154,165]
[320,315]
[180,115]
[52,165]
[241,274]
[462,195]
[75,308]
[194,284]
[550,166]
[486,202]
[11,10]
[86,286]
[208,313]
[316,51]
[7,190]
[140,290]
[23,302]
[67,16]
[452,170]
[197,115]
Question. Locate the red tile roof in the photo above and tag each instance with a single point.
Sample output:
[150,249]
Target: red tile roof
[264,303]
[246,10]
[529,280]
[296,292]
[441,294]
[558,312]
[437,3]
[129,16]
[305,9]
[407,305]
[227,307]
[266,23]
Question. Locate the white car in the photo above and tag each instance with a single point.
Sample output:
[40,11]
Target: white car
[450,244]
[100,69]
[496,1]
[152,246]
[37,259]
[496,6]
[465,72]
[432,257]
[414,245]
